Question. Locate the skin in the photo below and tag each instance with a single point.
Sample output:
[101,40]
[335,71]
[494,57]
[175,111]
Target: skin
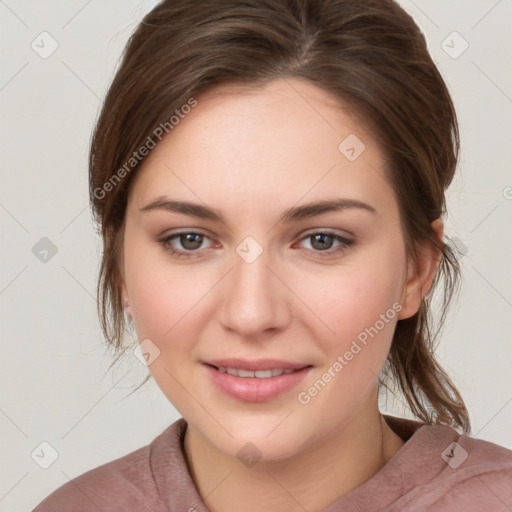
[251,155]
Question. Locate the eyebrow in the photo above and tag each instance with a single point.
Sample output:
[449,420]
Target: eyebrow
[295,213]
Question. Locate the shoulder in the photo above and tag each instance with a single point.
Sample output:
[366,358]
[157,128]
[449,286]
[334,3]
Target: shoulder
[478,474]
[473,475]
[122,484]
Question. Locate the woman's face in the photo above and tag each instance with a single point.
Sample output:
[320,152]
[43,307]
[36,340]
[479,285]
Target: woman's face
[317,289]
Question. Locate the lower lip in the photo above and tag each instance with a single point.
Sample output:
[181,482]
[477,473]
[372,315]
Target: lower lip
[253,389]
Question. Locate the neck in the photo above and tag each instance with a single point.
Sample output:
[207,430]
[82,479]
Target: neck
[310,480]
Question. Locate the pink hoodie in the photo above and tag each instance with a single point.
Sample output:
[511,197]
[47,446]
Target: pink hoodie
[437,469]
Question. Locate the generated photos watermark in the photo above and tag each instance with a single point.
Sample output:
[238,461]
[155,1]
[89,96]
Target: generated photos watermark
[305,397]
[143,151]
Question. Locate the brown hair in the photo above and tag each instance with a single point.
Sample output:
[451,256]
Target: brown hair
[368,53]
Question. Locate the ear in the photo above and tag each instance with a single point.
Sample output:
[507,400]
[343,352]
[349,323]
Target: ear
[420,276]
[124,292]
[124,289]
[126,306]
[126,300]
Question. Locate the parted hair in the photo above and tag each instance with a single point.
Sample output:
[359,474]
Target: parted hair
[368,53]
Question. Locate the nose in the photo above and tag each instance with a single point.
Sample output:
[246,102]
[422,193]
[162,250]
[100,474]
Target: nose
[255,298]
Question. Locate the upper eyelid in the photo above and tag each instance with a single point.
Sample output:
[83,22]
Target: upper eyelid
[311,231]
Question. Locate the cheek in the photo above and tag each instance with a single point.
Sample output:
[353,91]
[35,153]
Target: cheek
[161,294]
[360,304]
[164,311]
[165,302]
[364,320]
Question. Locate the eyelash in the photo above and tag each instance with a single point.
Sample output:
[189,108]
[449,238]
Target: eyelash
[345,244]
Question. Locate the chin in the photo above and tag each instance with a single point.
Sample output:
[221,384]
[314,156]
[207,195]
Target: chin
[266,438]
[261,450]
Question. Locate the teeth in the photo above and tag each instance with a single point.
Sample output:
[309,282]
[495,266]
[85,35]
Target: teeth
[263,374]
[260,374]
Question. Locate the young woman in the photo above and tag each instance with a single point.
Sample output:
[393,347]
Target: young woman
[269,178]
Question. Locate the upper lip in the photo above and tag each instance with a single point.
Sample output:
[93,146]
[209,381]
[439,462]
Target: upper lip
[259,364]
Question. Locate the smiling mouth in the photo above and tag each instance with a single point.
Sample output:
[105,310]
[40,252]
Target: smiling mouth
[257,381]
[259,374]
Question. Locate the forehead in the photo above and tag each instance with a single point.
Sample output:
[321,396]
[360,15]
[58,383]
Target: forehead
[282,142]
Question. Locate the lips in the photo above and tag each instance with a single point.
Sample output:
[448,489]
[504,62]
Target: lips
[249,381]
[256,365]
[260,374]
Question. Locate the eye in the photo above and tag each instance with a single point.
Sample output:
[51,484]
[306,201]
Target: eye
[322,242]
[190,241]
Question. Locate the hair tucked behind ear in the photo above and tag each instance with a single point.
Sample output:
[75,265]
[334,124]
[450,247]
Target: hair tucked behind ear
[368,53]
[411,363]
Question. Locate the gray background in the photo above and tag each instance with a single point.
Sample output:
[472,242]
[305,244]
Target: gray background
[54,379]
